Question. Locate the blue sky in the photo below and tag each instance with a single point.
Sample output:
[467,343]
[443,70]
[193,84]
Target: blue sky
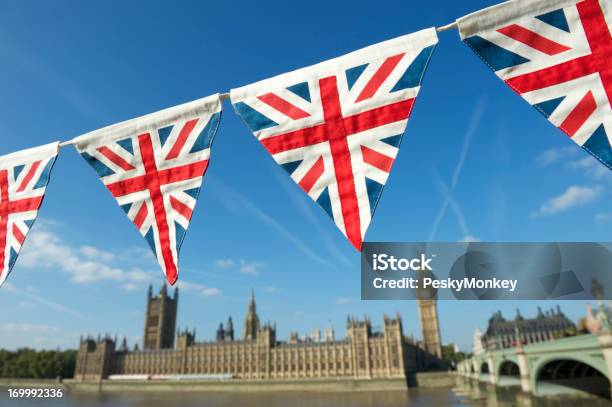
[476,162]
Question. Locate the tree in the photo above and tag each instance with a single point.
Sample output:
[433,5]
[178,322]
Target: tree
[450,356]
[44,364]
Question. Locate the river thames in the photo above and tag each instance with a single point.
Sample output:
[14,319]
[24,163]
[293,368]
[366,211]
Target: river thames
[479,395]
[413,398]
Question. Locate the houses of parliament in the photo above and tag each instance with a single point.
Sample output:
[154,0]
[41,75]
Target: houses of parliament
[364,353]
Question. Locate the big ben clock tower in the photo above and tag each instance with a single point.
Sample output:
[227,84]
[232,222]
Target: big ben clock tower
[428,315]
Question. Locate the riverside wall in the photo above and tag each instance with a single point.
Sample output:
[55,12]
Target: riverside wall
[428,380]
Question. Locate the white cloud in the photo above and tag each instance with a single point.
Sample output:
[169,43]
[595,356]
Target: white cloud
[96,254]
[131,287]
[591,167]
[470,238]
[224,263]
[44,249]
[88,264]
[573,196]
[250,267]
[141,276]
[202,289]
[587,164]
[210,291]
[143,254]
[244,267]
[553,155]
[271,290]
[342,301]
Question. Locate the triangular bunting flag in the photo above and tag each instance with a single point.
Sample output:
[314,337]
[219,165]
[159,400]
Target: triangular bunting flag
[554,54]
[23,180]
[335,127]
[153,166]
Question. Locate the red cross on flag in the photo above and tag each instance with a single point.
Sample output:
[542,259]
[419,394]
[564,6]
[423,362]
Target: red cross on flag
[23,180]
[153,166]
[554,54]
[336,127]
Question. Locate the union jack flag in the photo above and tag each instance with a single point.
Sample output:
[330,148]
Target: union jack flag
[555,55]
[23,180]
[153,166]
[336,127]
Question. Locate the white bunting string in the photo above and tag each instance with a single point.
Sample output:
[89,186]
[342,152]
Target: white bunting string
[447,27]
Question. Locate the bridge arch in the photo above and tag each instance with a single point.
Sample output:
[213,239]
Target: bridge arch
[509,368]
[566,374]
[484,367]
[508,373]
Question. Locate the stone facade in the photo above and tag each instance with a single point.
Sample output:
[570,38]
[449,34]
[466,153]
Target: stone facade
[428,314]
[160,320]
[363,353]
[546,326]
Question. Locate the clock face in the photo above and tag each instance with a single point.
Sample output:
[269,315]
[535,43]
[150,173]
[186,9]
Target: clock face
[429,292]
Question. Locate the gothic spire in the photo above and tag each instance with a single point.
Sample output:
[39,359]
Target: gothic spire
[252,302]
[518,317]
[251,322]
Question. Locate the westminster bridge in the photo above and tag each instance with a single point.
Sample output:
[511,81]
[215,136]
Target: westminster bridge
[580,363]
